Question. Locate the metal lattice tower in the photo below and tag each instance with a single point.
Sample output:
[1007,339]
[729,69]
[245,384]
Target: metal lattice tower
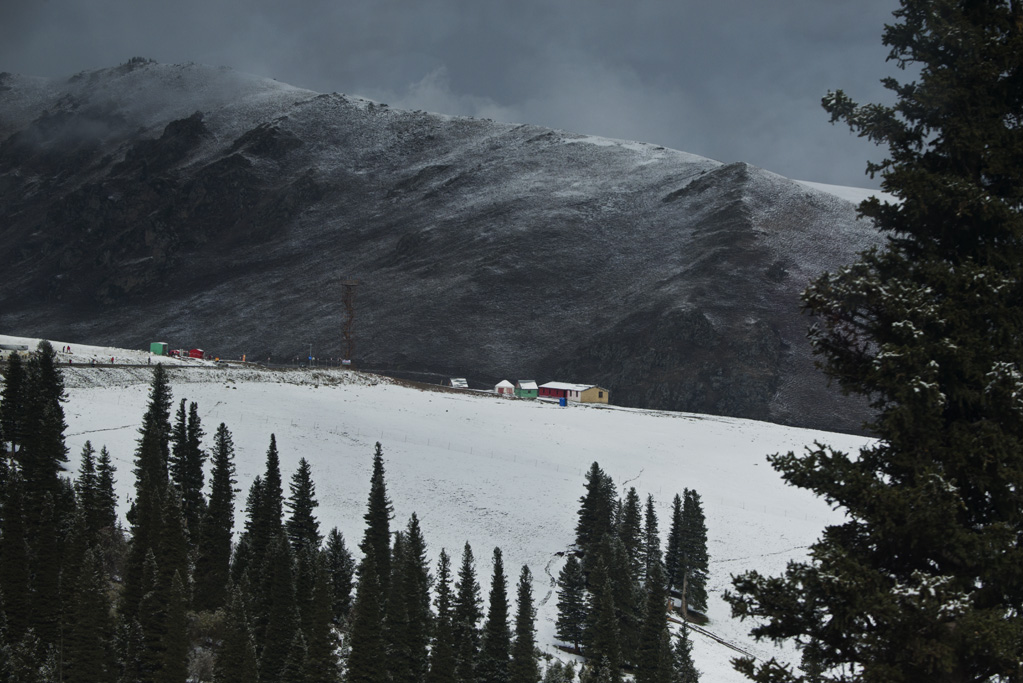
[347,327]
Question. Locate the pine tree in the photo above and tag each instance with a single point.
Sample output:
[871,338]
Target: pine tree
[524,667]
[236,655]
[321,642]
[571,603]
[87,489]
[442,651]
[14,404]
[15,587]
[605,637]
[174,668]
[695,559]
[43,452]
[924,581]
[367,661]
[495,647]
[277,618]
[467,610]
[89,638]
[212,564]
[414,591]
[631,531]
[378,522]
[186,465]
[651,538]
[145,515]
[302,528]
[341,569]
[273,492]
[653,664]
[673,555]
[106,498]
[596,509]
[683,670]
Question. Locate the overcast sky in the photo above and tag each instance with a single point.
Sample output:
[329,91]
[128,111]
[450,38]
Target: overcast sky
[734,80]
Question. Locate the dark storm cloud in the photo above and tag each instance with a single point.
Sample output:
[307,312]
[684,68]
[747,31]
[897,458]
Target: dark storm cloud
[735,80]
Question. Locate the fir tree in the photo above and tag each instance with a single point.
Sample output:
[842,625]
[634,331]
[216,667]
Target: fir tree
[596,509]
[15,588]
[653,664]
[605,636]
[924,580]
[88,647]
[571,603]
[631,532]
[467,610]
[367,660]
[212,565]
[236,655]
[495,647]
[186,465]
[302,528]
[174,668]
[341,569]
[442,652]
[673,556]
[106,498]
[14,404]
[524,667]
[43,452]
[651,538]
[378,522]
[277,619]
[695,559]
[683,670]
[87,489]
[273,492]
[414,591]
[321,642]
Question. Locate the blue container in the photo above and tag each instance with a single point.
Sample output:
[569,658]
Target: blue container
[562,401]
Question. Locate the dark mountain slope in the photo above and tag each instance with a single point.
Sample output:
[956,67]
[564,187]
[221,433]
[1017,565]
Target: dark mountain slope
[209,208]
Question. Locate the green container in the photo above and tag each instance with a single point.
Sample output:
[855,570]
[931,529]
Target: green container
[158,348]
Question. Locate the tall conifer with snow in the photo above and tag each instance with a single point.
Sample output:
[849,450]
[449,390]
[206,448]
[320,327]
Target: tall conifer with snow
[924,581]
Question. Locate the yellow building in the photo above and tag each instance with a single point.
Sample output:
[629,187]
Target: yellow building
[594,395]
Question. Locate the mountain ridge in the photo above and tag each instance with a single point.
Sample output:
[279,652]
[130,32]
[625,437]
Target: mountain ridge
[198,204]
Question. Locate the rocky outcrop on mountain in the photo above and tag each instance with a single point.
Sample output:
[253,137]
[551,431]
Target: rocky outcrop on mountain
[210,208]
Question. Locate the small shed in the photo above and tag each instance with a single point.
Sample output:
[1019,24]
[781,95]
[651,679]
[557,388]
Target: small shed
[159,348]
[526,388]
[459,383]
[505,388]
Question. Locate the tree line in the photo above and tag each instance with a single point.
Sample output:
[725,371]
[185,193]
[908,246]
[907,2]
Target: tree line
[173,597]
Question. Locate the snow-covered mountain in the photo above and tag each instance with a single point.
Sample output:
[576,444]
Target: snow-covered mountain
[479,468]
[209,208]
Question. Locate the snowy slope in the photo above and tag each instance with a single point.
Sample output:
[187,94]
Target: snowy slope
[493,471]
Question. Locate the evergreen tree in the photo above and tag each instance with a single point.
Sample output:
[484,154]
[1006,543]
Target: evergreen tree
[321,665]
[695,558]
[605,637]
[683,670]
[273,492]
[14,404]
[212,564]
[151,480]
[106,498]
[495,648]
[673,556]
[341,569]
[367,660]
[88,649]
[442,652]
[186,465]
[631,532]
[571,603]
[654,662]
[524,667]
[87,489]
[277,619]
[414,591]
[295,667]
[924,580]
[596,509]
[302,527]
[467,610]
[651,538]
[399,664]
[378,522]
[174,667]
[236,655]
[43,452]
[15,588]
[45,566]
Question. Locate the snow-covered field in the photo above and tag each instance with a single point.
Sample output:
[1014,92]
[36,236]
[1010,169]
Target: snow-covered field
[493,471]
